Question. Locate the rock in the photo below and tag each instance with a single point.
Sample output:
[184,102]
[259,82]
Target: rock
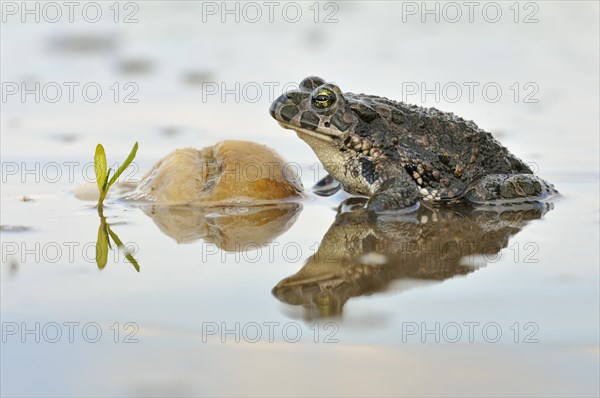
[230,172]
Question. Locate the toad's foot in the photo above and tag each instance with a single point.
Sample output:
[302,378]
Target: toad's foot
[513,188]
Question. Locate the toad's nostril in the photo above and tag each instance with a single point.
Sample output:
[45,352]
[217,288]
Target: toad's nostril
[272,108]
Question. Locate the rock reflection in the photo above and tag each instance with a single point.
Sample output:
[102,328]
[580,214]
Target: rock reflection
[231,228]
[360,256]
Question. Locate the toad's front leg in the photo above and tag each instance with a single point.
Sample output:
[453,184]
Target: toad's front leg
[399,192]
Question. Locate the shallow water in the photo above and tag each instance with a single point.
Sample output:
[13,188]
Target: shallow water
[295,299]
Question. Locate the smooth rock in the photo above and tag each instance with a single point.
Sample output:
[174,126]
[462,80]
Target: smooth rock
[230,172]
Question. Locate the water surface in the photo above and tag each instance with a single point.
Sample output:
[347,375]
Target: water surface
[296,299]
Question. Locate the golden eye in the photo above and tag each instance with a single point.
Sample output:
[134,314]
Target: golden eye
[323,99]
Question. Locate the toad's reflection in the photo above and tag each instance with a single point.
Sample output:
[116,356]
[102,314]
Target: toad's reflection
[231,228]
[359,256]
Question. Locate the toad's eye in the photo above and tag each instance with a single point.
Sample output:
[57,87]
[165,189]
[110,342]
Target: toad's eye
[323,99]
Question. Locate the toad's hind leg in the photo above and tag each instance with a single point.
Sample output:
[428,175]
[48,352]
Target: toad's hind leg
[509,187]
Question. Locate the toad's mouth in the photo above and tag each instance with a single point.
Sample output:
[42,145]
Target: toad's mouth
[324,135]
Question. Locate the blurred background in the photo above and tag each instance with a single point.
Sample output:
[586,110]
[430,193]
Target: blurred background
[186,73]
[189,73]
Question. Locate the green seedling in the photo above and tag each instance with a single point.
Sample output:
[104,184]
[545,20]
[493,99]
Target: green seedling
[105,181]
[103,175]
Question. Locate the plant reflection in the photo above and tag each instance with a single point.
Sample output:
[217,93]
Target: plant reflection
[360,255]
[103,245]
